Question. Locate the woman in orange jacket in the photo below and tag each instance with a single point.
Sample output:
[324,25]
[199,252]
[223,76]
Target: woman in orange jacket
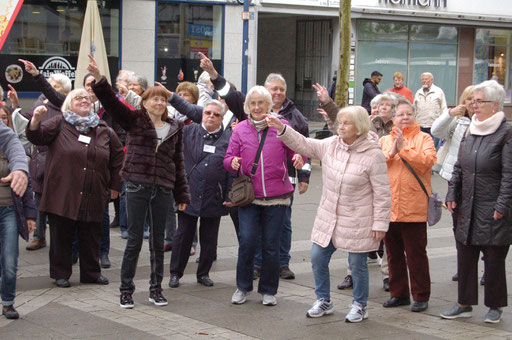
[407,234]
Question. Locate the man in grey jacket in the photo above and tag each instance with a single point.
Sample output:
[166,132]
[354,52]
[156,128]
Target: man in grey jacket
[11,147]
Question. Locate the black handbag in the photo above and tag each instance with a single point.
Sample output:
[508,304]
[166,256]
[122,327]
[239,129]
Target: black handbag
[242,190]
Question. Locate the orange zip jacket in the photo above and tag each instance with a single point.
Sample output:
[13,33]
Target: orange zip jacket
[408,201]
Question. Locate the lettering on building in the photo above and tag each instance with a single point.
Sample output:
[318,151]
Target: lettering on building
[57,65]
[420,3]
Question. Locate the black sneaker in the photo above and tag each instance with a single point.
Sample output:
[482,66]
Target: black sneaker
[286,273]
[9,312]
[157,298]
[126,300]
[347,283]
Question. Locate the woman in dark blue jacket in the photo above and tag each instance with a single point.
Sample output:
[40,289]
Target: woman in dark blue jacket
[205,146]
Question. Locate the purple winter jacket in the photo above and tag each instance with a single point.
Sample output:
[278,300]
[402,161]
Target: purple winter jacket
[271,178]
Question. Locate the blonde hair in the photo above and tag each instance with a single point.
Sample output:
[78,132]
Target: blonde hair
[359,116]
[66,106]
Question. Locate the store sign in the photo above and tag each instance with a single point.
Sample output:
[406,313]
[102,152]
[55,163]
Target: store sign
[57,65]
[417,3]
[202,30]
[8,12]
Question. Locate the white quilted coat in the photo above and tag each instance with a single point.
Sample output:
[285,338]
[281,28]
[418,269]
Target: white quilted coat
[356,197]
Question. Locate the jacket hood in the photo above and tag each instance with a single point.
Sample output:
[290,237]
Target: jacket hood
[366,81]
[362,143]
[288,107]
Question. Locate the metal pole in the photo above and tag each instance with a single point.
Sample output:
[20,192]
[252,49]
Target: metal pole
[245,45]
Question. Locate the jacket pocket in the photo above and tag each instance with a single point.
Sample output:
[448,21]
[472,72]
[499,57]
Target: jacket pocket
[132,187]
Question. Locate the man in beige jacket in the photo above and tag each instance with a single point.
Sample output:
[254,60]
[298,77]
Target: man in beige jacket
[429,103]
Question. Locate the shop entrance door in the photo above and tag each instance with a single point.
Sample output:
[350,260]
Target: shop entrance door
[313,63]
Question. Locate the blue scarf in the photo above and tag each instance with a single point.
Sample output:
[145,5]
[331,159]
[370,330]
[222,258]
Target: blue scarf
[82,124]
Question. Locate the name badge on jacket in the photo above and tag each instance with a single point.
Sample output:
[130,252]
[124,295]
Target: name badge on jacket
[84,139]
[209,148]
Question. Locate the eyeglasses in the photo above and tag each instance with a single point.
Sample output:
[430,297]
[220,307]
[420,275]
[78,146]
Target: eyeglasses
[208,113]
[480,102]
[80,98]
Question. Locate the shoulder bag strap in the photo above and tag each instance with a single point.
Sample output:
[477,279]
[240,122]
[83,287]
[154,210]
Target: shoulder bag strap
[415,175]
[258,153]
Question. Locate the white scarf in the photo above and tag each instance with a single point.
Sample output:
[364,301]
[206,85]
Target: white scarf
[488,126]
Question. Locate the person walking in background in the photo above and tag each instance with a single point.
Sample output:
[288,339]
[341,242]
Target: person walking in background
[429,103]
[399,87]
[354,209]
[406,239]
[370,90]
[481,190]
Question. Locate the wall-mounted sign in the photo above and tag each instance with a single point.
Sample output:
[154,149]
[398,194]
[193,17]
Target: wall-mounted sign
[201,30]
[417,3]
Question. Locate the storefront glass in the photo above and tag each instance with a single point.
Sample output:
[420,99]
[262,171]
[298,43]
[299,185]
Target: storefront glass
[492,58]
[184,29]
[46,29]
[410,49]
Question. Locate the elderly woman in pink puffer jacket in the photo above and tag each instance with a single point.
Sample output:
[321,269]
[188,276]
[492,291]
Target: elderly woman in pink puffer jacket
[355,206]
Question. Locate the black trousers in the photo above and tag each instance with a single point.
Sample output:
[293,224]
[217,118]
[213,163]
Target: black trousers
[62,234]
[495,291]
[208,234]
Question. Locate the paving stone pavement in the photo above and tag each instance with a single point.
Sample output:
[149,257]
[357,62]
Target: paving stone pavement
[197,312]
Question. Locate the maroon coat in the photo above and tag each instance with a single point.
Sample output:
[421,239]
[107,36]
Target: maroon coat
[145,162]
[78,176]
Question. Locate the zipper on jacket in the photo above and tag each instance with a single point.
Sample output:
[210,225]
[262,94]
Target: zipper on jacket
[262,171]
[285,167]
[156,151]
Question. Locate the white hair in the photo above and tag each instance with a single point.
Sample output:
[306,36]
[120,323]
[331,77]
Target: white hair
[428,74]
[357,115]
[216,103]
[272,77]
[66,106]
[259,90]
[63,80]
[493,91]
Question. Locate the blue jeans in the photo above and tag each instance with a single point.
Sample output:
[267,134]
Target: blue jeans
[285,241]
[152,201]
[320,258]
[9,253]
[437,141]
[263,223]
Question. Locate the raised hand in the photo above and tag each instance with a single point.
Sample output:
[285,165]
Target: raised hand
[13,97]
[207,65]
[94,69]
[29,67]
[165,88]
[321,93]
[322,113]
[123,90]
[274,122]
[298,161]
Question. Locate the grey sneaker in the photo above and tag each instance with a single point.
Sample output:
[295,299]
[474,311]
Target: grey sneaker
[268,300]
[457,312]
[320,308]
[239,297]
[493,315]
[357,313]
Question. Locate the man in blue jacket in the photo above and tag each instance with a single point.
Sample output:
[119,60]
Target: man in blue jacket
[370,90]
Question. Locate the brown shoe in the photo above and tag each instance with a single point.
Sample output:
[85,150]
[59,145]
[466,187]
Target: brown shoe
[36,244]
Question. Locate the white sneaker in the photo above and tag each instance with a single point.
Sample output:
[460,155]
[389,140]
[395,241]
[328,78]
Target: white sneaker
[320,308]
[357,313]
[268,300]
[239,297]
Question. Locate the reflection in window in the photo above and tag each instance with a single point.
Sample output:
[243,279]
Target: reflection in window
[185,29]
[492,58]
[55,28]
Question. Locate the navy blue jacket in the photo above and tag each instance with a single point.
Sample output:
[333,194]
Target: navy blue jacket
[208,181]
[235,101]
[370,90]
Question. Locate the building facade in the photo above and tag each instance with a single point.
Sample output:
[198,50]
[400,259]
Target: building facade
[459,42]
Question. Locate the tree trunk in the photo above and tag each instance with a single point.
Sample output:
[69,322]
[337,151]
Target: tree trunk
[344,61]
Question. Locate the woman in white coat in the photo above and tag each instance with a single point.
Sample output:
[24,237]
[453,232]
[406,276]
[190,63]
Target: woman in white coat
[354,210]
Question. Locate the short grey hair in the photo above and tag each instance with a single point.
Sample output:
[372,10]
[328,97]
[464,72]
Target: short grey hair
[493,91]
[359,116]
[272,77]
[216,103]
[124,74]
[259,90]
[141,80]
[428,74]
[392,97]
[375,101]
[400,101]
[63,80]
[66,106]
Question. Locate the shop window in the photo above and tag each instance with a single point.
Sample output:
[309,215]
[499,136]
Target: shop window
[46,29]
[410,49]
[492,58]
[184,29]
